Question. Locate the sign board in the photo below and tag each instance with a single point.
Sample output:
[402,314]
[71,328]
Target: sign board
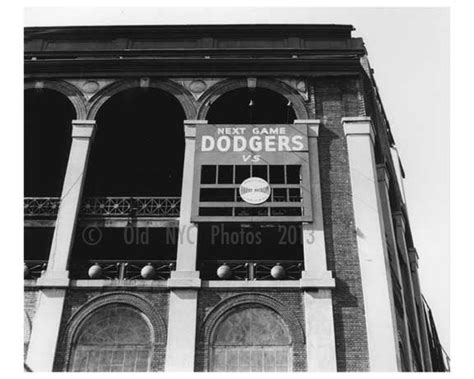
[250,143]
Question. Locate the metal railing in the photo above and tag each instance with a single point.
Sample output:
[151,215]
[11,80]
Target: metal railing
[34,268]
[47,207]
[41,206]
[251,270]
[122,269]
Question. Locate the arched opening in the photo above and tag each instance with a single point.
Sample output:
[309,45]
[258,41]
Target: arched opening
[134,172]
[255,244]
[114,338]
[48,115]
[138,149]
[251,106]
[251,338]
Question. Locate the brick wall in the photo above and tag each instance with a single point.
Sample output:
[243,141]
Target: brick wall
[75,298]
[336,98]
[291,300]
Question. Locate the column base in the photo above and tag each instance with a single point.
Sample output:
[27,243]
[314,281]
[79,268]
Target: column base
[310,279]
[184,279]
[54,279]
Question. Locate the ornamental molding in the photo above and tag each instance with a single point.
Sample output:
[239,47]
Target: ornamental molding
[298,84]
[197,86]
[89,87]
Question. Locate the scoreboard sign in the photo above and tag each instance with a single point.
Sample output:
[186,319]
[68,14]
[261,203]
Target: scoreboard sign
[249,143]
[252,172]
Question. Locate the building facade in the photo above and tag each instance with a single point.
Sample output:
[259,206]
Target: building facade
[215,198]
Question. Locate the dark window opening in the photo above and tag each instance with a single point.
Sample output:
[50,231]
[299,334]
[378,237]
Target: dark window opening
[138,149]
[217,194]
[260,172]
[129,243]
[241,173]
[225,174]
[48,116]
[208,174]
[37,243]
[251,106]
[234,241]
[293,174]
[277,174]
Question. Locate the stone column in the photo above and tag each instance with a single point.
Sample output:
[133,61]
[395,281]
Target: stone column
[384,185]
[53,283]
[420,309]
[316,280]
[382,340]
[184,282]
[409,293]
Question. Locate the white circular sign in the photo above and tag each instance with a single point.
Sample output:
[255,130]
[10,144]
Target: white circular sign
[254,190]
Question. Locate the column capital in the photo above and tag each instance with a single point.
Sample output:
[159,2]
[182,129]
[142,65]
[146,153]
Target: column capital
[83,128]
[190,127]
[358,126]
[313,127]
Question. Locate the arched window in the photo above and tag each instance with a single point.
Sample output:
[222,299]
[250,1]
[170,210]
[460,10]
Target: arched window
[114,338]
[251,106]
[138,149]
[48,116]
[251,339]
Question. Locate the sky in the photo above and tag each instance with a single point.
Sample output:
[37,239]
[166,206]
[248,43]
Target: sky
[409,50]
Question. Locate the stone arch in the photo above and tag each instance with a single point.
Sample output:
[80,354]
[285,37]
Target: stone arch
[228,305]
[74,95]
[181,94]
[221,88]
[76,322]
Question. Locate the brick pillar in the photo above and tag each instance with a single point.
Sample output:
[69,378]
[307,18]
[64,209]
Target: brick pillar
[393,262]
[420,309]
[382,340]
[53,283]
[184,282]
[409,291]
[316,280]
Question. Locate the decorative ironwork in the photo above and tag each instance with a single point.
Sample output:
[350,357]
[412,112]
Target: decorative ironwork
[46,207]
[131,207]
[255,270]
[34,268]
[123,270]
[41,206]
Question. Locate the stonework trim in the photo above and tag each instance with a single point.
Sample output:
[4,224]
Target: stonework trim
[75,323]
[221,88]
[71,92]
[181,94]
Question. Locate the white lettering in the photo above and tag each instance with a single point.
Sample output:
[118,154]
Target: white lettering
[240,143]
[207,143]
[284,143]
[255,143]
[297,143]
[223,143]
[270,143]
